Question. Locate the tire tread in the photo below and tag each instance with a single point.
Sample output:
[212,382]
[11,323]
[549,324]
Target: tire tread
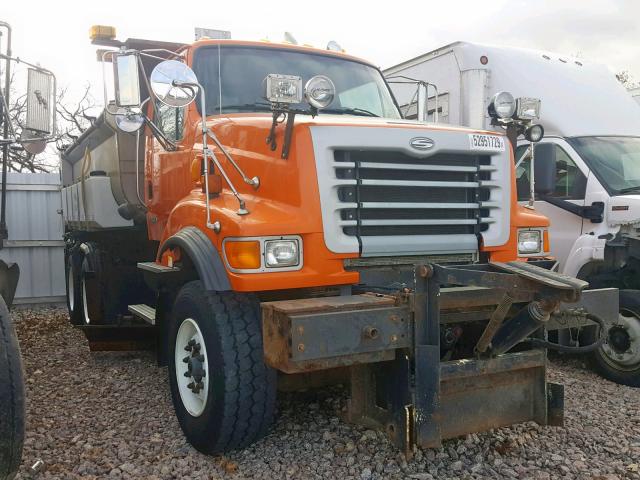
[249,397]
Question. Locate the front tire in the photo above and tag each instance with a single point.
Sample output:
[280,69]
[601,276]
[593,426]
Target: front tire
[12,411]
[618,359]
[223,393]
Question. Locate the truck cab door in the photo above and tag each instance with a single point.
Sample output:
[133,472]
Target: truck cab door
[571,183]
[167,173]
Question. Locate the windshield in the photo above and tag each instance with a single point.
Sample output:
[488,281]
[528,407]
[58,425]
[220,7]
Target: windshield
[614,160]
[233,79]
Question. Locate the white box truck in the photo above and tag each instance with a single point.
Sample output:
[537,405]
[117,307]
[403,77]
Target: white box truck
[587,167]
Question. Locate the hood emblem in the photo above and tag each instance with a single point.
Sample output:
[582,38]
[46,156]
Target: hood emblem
[421,143]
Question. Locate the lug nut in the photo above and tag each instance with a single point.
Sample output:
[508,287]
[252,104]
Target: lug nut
[370,332]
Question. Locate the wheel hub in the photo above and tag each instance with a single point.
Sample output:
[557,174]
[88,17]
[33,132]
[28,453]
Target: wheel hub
[191,370]
[622,348]
[619,339]
[195,366]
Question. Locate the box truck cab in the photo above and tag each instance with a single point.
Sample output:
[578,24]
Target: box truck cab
[587,167]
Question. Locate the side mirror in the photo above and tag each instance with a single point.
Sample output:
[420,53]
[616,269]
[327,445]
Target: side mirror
[173,83]
[545,168]
[40,102]
[127,84]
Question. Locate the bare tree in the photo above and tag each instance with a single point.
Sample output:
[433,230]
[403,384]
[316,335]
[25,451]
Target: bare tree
[73,119]
[626,79]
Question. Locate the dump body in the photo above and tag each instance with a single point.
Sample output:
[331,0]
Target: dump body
[99,175]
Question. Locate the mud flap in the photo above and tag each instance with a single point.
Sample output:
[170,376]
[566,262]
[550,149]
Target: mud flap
[9,275]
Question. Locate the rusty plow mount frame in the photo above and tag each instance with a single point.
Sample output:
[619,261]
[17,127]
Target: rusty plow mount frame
[391,346]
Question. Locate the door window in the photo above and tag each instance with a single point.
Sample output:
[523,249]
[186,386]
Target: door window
[571,183]
[170,120]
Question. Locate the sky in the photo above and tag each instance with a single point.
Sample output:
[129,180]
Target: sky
[55,34]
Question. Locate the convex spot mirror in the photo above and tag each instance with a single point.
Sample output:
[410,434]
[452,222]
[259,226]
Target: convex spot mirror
[173,83]
[127,85]
[545,168]
[129,121]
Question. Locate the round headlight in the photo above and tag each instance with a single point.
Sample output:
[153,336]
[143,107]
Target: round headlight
[502,105]
[534,133]
[319,91]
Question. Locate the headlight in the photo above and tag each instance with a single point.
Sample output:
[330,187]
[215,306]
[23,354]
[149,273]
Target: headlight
[319,91]
[529,241]
[527,108]
[502,105]
[283,88]
[281,253]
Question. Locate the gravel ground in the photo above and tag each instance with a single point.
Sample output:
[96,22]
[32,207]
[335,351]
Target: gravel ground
[109,415]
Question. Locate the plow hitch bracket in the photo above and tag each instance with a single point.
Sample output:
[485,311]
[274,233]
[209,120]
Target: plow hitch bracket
[400,382]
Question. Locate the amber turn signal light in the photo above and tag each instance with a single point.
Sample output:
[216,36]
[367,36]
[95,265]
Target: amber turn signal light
[243,255]
[546,246]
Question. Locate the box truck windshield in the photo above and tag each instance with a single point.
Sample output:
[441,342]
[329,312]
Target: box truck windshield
[233,78]
[615,161]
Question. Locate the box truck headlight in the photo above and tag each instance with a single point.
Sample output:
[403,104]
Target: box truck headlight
[319,91]
[502,105]
[534,133]
[529,241]
[281,253]
[527,108]
[283,88]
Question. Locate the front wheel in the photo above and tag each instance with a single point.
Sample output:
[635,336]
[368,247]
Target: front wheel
[618,359]
[223,393]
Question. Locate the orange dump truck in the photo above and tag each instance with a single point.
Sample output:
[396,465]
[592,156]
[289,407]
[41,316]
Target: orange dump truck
[263,213]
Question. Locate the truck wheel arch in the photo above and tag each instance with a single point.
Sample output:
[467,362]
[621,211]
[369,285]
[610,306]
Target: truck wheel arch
[205,258]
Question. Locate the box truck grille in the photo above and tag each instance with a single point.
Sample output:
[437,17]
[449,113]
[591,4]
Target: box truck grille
[389,193]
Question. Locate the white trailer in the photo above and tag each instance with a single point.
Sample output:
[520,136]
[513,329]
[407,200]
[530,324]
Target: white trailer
[591,151]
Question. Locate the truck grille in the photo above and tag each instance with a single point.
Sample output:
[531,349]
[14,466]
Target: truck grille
[389,193]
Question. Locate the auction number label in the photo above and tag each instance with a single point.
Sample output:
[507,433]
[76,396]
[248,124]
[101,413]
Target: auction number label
[491,143]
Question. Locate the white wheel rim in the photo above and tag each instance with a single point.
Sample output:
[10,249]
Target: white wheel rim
[190,356]
[630,359]
[70,285]
[85,308]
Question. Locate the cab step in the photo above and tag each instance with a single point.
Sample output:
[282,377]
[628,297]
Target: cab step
[144,312]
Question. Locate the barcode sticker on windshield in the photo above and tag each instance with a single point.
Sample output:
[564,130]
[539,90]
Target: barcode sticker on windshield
[492,143]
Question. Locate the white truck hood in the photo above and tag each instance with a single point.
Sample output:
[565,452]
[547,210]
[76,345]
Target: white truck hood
[623,210]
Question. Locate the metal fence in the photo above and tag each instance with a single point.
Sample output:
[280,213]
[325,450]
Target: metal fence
[35,236]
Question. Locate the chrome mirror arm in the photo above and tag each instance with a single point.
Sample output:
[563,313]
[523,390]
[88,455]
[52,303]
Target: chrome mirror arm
[254,182]
[242,210]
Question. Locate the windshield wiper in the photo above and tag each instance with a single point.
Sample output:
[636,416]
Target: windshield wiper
[351,110]
[246,107]
[630,189]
